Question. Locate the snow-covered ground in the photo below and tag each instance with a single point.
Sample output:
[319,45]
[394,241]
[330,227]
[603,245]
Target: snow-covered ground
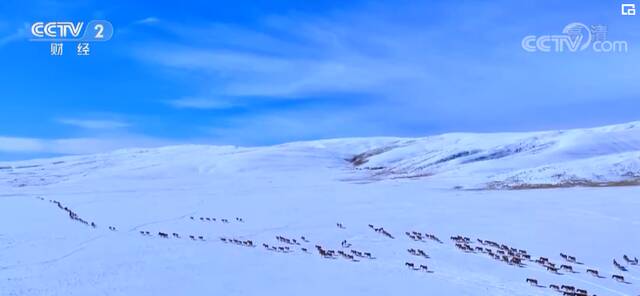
[428,185]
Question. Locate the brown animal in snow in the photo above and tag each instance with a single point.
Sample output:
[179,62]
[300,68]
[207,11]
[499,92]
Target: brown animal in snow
[593,272]
[568,288]
[552,269]
[533,282]
[566,267]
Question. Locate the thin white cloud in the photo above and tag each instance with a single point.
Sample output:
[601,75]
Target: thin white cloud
[199,103]
[257,74]
[94,123]
[147,20]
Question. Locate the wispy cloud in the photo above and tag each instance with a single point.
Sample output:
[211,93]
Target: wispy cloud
[147,21]
[199,103]
[456,70]
[358,52]
[94,124]
[325,63]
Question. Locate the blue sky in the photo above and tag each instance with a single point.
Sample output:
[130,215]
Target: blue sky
[266,72]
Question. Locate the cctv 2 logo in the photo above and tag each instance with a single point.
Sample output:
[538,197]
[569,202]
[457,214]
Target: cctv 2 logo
[96,30]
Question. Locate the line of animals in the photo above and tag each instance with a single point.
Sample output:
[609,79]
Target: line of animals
[289,241]
[209,219]
[415,266]
[568,268]
[248,243]
[382,231]
[566,290]
[245,243]
[285,249]
[352,255]
[497,251]
[174,235]
[418,236]
[418,252]
[72,215]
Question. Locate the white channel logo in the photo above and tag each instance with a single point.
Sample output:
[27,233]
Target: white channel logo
[56,29]
[96,30]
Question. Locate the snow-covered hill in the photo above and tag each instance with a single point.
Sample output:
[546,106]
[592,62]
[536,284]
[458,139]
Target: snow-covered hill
[596,156]
[333,194]
[603,156]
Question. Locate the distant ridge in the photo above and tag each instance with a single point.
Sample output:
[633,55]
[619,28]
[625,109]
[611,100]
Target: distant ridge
[600,156]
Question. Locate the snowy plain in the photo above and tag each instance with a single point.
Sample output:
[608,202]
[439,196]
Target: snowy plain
[447,185]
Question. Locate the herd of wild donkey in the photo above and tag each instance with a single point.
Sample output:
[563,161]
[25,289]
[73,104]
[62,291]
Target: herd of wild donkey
[496,251]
